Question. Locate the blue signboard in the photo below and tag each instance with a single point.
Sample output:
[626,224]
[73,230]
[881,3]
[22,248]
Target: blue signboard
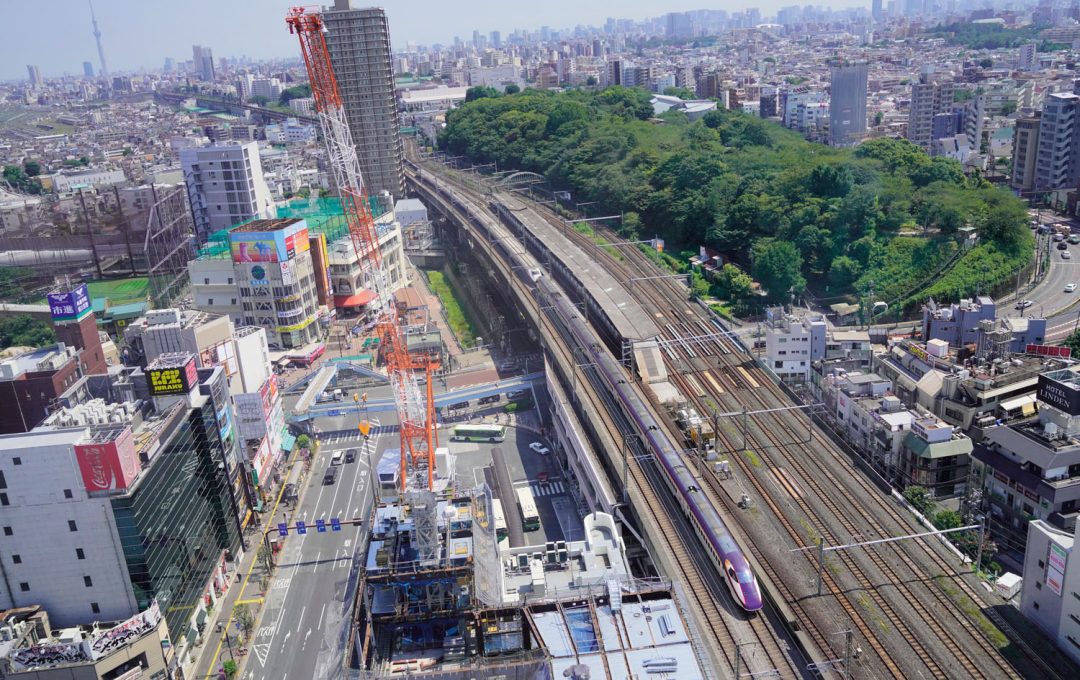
[282,529]
[301,528]
[335,524]
[69,305]
[320,526]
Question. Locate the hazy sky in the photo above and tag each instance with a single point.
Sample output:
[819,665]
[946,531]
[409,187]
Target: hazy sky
[56,34]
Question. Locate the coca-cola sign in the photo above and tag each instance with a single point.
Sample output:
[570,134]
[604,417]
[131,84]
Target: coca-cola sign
[111,465]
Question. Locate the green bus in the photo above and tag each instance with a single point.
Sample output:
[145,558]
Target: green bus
[478,433]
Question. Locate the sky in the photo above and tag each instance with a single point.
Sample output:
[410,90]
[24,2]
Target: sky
[56,35]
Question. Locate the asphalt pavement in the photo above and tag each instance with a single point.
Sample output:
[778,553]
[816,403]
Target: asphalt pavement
[303,628]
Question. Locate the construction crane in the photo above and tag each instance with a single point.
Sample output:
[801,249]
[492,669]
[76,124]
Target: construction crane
[415,408]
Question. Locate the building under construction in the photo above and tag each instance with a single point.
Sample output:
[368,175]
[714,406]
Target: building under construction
[439,597]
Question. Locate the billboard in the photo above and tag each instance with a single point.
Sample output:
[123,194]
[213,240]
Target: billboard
[297,242]
[109,466]
[1049,351]
[173,379]
[1055,568]
[255,247]
[1061,395]
[70,305]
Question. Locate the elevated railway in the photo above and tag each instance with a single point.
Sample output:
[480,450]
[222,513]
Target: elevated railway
[914,608]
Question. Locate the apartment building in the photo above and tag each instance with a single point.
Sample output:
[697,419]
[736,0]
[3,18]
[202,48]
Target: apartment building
[792,344]
[225,185]
[930,96]
[847,108]
[1057,165]
[1025,152]
[1051,588]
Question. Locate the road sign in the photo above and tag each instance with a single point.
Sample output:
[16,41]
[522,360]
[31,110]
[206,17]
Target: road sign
[282,529]
[365,427]
[301,528]
[335,524]
[320,526]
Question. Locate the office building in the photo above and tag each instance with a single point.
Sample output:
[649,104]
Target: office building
[353,289]
[1056,163]
[359,43]
[121,504]
[270,88]
[225,185]
[930,96]
[34,74]
[88,69]
[202,62]
[266,278]
[1025,151]
[679,26]
[792,344]
[1051,587]
[875,11]
[847,110]
[1027,58]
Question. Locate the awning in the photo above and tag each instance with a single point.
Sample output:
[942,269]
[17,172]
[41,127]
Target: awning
[358,300]
[192,634]
[1025,402]
[200,617]
[288,442]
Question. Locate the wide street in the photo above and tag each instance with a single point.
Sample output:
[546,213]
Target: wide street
[302,632]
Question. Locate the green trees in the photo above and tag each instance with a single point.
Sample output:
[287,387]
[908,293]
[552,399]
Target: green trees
[296,92]
[730,181]
[512,88]
[258,100]
[25,331]
[20,180]
[919,497]
[480,92]
[778,266]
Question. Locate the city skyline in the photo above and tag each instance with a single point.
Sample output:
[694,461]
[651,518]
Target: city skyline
[60,45]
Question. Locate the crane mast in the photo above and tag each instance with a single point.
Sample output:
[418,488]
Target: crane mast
[415,408]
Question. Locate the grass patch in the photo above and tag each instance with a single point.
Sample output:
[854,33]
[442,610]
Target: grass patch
[969,607]
[460,325]
[754,459]
[811,532]
[586,230]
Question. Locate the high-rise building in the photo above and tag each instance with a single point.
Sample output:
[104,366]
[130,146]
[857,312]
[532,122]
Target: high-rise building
[97,39]
[88,69]
[124,502]
[931,96]
[225,185]
[847,110]
[359,43]
[679,26]
[1025,151]
[34,74]
[1028,57]
[875,10]
[1056,165]
[496,40]
[202,60]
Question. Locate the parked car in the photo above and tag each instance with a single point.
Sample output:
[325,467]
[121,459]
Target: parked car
[1070,287]
[1024,304]
[539,448]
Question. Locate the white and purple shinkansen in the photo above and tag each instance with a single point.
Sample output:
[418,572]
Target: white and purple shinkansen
[711,530]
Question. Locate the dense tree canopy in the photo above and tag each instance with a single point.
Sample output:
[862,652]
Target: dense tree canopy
[748,187]
[25,331]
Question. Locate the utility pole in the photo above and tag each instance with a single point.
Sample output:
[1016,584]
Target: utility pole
[820,563]
[847,652]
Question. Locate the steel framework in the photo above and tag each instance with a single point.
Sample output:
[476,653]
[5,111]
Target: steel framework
[416,409]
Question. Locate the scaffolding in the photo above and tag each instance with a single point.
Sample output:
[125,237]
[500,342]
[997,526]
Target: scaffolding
[168,244]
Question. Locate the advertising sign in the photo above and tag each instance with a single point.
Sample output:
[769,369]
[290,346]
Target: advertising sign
[287,276]
[71,305]
[297,242]
[173,380]
[1055,567]
[1064,396]
[919,353]
[257,246]
[258,275]
[109,466]
[1049,351]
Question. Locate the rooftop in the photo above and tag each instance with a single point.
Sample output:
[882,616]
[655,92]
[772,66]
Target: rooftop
[44,359]
[265,225]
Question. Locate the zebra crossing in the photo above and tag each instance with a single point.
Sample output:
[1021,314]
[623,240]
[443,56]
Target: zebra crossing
[541,489]
[339,436]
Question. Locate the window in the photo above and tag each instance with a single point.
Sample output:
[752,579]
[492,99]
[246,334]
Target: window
[80,554]
[230,280]
[24,586]
[16,461]
[1038,585]
[67,493]
[206,281]
[16,559]
[1041,565]
[210,301]
[72,526]
[1035,604]
[87,581]
[3,480]
[3,499]
[95,608]
[8,531]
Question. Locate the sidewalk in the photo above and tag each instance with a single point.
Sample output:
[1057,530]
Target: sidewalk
[248,591]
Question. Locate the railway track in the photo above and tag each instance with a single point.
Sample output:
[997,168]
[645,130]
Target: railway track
[716,610]
[745,381]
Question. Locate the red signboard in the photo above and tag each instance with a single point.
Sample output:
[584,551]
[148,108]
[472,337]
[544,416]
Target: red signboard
[109,466]
[1049,351]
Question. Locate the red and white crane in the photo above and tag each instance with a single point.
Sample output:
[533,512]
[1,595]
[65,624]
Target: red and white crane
[415,407]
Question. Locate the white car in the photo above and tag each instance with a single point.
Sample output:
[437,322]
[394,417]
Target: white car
[539,448]
[1066,255]
[1024,304]
[1070,287]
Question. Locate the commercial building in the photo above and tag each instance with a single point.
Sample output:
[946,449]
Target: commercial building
[1056,164]
[225,185]
[66,182]
[117,505]
[34,73]
[202,62]
[1051,586]
[359,43]
[1030,469]
[88,69]
[930,96]
[974,321]
[266,277]
[792,344]
[137,647]
[847,109]
[354,293]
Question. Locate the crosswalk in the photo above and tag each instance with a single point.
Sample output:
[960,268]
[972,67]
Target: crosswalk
[541,489]
[339,436]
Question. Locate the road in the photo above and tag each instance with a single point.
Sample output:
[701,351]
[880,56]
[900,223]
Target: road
[305,621]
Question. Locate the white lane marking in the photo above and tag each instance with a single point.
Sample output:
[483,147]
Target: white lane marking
[321,612]
[301,618]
